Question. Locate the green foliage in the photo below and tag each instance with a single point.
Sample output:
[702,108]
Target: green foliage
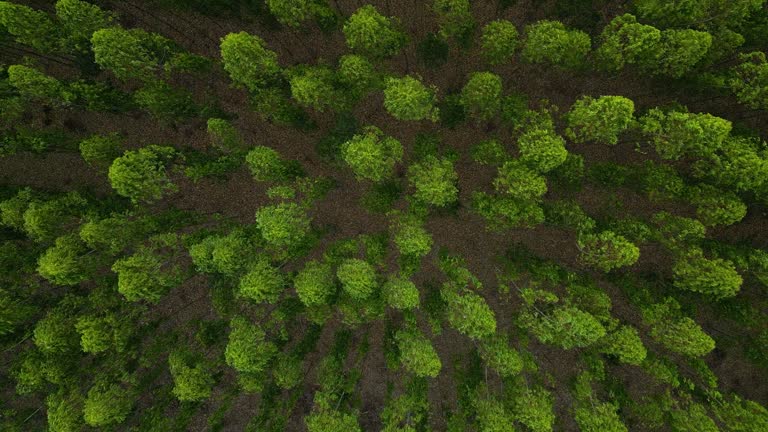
[499,41]
[489,152]
[101,333]
[676,134]
[407,411]
[313,86]
[12,209]
[693,418]
[492,416]
[28,26]
[66,262]
[542,149]
[356,73]
[145,275]
[481,95]
[566,327]
[503,212]
[142,175]
[54,333]
[164,101]
[550,42]
[600,120]
[371,154]
[715,206]
[410,237]
[569,214]
[470,315]
[534,408]
[677,333]
[266,164]
[315,283]
[44,220]
[625,344]
[192,381]
[332,421]
[358,278]
[372,34]
[32,84]
[434,181]
[607,251]
[113,234]
[740,415]
[433,51]
[224,135]
[407,98]
[262,283]
[499,356]
[749,80]
[715,277]
[65,411]
[107,404]
[417,354]
[741,164]
[519,181]
[222,254]
[131,54]
[625,41]
[600,417]
[247,349]
[100,150]
[247,60]
[681,50]
[662,182]
[288,372]
[80,19]
[400,293]
[455,18]
[291,12]
[283,225]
